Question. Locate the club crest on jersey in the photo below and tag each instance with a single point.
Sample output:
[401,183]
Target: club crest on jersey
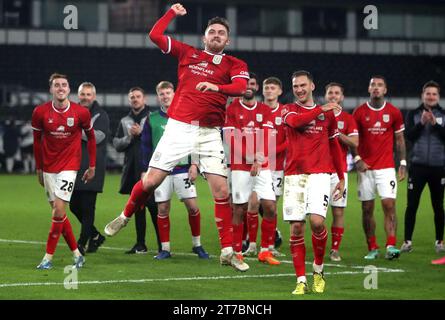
[386,118]
[259,117]
[341,125]
[321,116]
[217,59]
[70,122]
[278,121]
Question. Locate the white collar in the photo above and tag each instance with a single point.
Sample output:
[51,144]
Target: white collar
[306,107]
[248,108]
[58,110]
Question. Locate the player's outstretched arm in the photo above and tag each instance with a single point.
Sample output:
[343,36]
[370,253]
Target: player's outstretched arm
[157,32]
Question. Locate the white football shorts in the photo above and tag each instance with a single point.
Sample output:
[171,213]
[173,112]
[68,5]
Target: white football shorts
[343,201]
[179,183]
[306,194]
[182,139]
[60,185]
[383,181]
[243,184]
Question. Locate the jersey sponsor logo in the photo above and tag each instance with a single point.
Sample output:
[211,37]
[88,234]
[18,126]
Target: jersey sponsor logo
[194,56]
[321,116]
[251,124]
[378,124]
[341,125]
[70,122]
[259,117]
[60,129]
[278,121]
[217,59]
[203,64]
[386,118]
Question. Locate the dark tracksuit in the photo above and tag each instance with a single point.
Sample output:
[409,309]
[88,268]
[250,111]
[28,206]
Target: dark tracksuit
[83,199]
[131,172]
[427,165]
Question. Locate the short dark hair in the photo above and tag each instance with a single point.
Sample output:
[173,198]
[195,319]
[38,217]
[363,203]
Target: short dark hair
[300,73]
[335,84]
[56,75]
[253,75]
[219,20]
[431,84]
[378,76]
[136,89]
[273,80]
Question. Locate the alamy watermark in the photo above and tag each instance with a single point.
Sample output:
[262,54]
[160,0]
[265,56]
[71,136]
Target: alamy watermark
[371,280]
[71,280]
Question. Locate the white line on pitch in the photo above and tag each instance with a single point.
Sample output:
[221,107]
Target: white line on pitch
[96,282]
[193,254]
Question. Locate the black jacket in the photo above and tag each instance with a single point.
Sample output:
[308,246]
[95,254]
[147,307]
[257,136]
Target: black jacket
[101,126]
[427,141]
[124,142]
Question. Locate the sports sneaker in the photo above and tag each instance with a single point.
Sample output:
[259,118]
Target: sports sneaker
[267,257]
[250,252]
[78,262]
[137,249]
[116,225]
[406,247]
[45,264]
[439,261]
[301,288]
[319,283]
[372,255]
[392,253]
[95,243]
[163,254]
[334,255]
[278,239]
[276,253]
[225,259]
[439,246]
[238,263]
[202,254]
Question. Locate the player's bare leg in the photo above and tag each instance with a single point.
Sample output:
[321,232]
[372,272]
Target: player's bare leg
[142,190]
[369,226]
[337,229]
[298,252]
[223,218]
[319,240]
[389,209]
[195,226]
[267,232]
[164,229]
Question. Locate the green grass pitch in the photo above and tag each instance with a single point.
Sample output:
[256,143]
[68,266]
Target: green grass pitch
[110,274]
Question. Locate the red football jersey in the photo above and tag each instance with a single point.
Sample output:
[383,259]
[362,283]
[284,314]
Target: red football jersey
[347,126]
[278,137]
[249,124]
[376,128]
[207,109]
[308,150]
[61,135]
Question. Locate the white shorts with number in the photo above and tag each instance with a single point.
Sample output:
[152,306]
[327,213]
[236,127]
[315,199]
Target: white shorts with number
[182,139]
[306,194]
[179,183]
[243,184]
[382,180]
[278,182]
[60,185]
[343,201]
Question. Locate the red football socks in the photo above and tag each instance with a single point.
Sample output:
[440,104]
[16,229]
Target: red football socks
[137,198]
[223,219]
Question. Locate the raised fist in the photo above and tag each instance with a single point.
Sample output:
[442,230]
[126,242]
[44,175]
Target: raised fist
[179,9]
